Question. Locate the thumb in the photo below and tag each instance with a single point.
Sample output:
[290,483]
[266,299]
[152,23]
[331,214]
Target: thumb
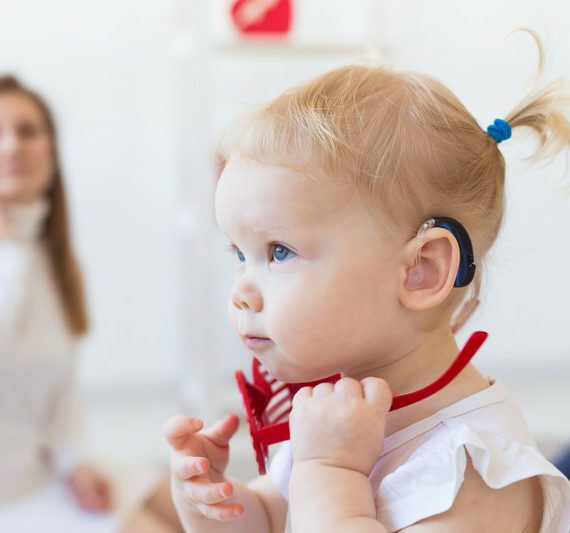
[223,430]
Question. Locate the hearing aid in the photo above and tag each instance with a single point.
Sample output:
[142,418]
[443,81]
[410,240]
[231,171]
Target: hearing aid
[466,269]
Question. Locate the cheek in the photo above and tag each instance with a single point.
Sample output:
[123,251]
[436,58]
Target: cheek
[308,322]
[329,322]
[42,148]
[41,156]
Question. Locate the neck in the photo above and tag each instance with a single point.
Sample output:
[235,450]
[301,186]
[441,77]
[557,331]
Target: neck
[421,364]
[27,219]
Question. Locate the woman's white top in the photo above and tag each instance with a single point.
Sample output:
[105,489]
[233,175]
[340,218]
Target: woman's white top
[422,466]
[41,416]
[39,421]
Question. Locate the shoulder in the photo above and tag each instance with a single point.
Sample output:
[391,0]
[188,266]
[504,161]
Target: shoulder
[477,507]
[464,471]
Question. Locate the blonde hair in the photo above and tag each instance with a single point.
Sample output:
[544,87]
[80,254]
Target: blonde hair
[406,143]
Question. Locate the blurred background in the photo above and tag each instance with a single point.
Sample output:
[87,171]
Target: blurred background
[141,90]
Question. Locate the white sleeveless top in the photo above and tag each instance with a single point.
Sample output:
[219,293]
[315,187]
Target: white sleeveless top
[421,468]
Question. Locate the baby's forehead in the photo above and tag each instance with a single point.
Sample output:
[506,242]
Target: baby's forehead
[255,195]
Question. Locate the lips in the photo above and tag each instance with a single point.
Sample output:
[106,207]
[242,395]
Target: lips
[15,171]
[251,341]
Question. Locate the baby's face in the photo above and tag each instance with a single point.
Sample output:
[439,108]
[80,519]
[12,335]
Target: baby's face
[315,278]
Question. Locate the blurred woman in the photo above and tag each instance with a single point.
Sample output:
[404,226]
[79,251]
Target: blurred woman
[42,316]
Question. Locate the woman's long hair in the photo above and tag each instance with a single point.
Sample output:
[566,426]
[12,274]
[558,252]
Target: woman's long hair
[55,234]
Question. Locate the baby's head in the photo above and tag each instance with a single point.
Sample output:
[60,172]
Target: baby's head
[322,193]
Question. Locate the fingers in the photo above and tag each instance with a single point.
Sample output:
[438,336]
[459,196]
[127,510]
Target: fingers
[202,490]
[105,494]
[349,386]
[222,431]
[221,512]
[188,467]
[191,480]
[322,389]
[302,394]
[207,497]
[91,503]
[179,428]
[377,391]
[342,386]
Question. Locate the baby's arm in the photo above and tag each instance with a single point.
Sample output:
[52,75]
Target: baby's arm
[274,504]
[205,499]
[516,508]
[337,434]
[330,498]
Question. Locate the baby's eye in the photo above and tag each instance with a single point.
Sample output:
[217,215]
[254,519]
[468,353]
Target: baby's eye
[282,253]
[234,249]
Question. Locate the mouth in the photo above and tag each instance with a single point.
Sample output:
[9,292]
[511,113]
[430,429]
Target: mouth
[256,343]
[16,170]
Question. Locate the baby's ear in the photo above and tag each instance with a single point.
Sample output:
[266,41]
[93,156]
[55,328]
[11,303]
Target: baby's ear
[426,286]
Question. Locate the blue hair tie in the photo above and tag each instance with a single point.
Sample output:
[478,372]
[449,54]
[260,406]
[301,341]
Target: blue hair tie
[499,130]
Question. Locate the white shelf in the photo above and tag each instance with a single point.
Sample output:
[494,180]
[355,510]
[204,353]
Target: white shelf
[264,47]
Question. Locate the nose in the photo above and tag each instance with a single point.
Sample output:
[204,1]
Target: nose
[9,142]
[245,295]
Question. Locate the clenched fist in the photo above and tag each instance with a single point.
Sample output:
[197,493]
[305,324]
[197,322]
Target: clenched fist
[341,424]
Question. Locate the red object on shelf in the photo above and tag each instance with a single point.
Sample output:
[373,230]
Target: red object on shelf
[267,402]
[262,16]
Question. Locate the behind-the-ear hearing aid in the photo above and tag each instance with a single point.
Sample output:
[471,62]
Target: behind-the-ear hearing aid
[466,269]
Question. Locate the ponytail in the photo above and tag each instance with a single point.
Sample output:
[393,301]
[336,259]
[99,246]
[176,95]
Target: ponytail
[545,111]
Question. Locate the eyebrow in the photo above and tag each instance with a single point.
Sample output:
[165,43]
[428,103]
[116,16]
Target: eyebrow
[268,232]
[271,230]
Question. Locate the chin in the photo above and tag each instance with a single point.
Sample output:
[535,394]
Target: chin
[12,194]
[293,374]
[277,371]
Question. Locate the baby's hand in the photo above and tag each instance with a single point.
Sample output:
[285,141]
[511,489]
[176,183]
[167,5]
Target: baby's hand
[198,462]
[342,424]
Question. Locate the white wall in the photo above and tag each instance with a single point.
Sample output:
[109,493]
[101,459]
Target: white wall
[105,66]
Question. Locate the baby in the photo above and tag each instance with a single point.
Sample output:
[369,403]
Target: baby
[328,196]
